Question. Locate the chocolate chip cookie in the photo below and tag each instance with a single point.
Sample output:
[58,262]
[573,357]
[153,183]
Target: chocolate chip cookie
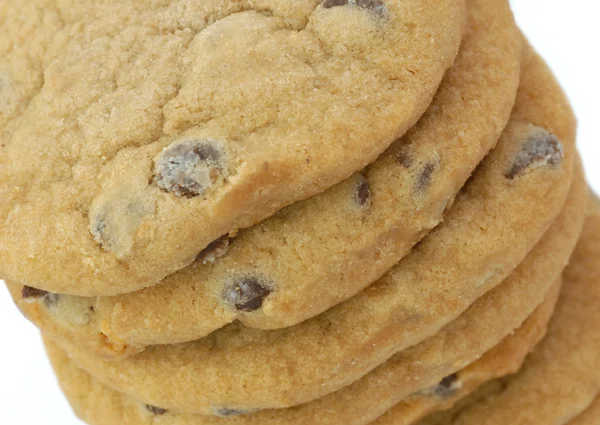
[496,220]
[109,407]
[428,364]
[136,133]
[312,255]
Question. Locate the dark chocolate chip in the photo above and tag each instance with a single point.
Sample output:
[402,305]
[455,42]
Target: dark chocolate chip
[447,386]
[189,168]
[33,293]
[541,149]
[247,293]
[224,411]
[98,228]
[332,3]
[214,250]
[157,411]
[373,5]
[404,157]
[363,192]
[207,152]
[424,178]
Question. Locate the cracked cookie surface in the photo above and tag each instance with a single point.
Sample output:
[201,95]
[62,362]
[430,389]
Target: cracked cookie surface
[130,144]
[455,346]
[312,255]
[490,229]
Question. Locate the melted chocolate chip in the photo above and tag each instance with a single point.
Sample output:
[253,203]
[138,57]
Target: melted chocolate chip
[214,250]
[404,158]
[33,293]
[157,411]
[541,149]
[98,228]
[207,152]
[363,192]
[247,293]
[224,411]
[374,5]
[332,3]
[447,386]
[424,178]
[189,168]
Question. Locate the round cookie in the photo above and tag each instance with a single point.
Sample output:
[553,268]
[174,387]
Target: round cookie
[424,365]
[496,220]
[504,359]
[561,377]
[311,256]
[139,140]
[104,407]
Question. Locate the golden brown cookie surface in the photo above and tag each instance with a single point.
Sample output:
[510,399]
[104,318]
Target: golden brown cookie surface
[562,376]
[312,255]
[135,133]
[495,222]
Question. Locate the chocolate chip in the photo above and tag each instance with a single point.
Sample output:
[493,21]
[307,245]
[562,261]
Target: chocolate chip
[541,149]
[447,386]
[424,178]
[189,168]
[363,192]
[224,411]
[331,3]
[404,157]
[214,250]
[247,293]
[157,411]
[98,228]
[374,5]
[33,293]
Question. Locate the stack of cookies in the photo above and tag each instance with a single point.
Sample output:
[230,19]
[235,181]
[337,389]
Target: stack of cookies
[297,212]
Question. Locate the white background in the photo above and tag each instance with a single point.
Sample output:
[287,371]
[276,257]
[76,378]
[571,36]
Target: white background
[566,33]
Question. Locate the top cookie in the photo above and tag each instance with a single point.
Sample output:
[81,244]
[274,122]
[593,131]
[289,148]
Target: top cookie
[129,144]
